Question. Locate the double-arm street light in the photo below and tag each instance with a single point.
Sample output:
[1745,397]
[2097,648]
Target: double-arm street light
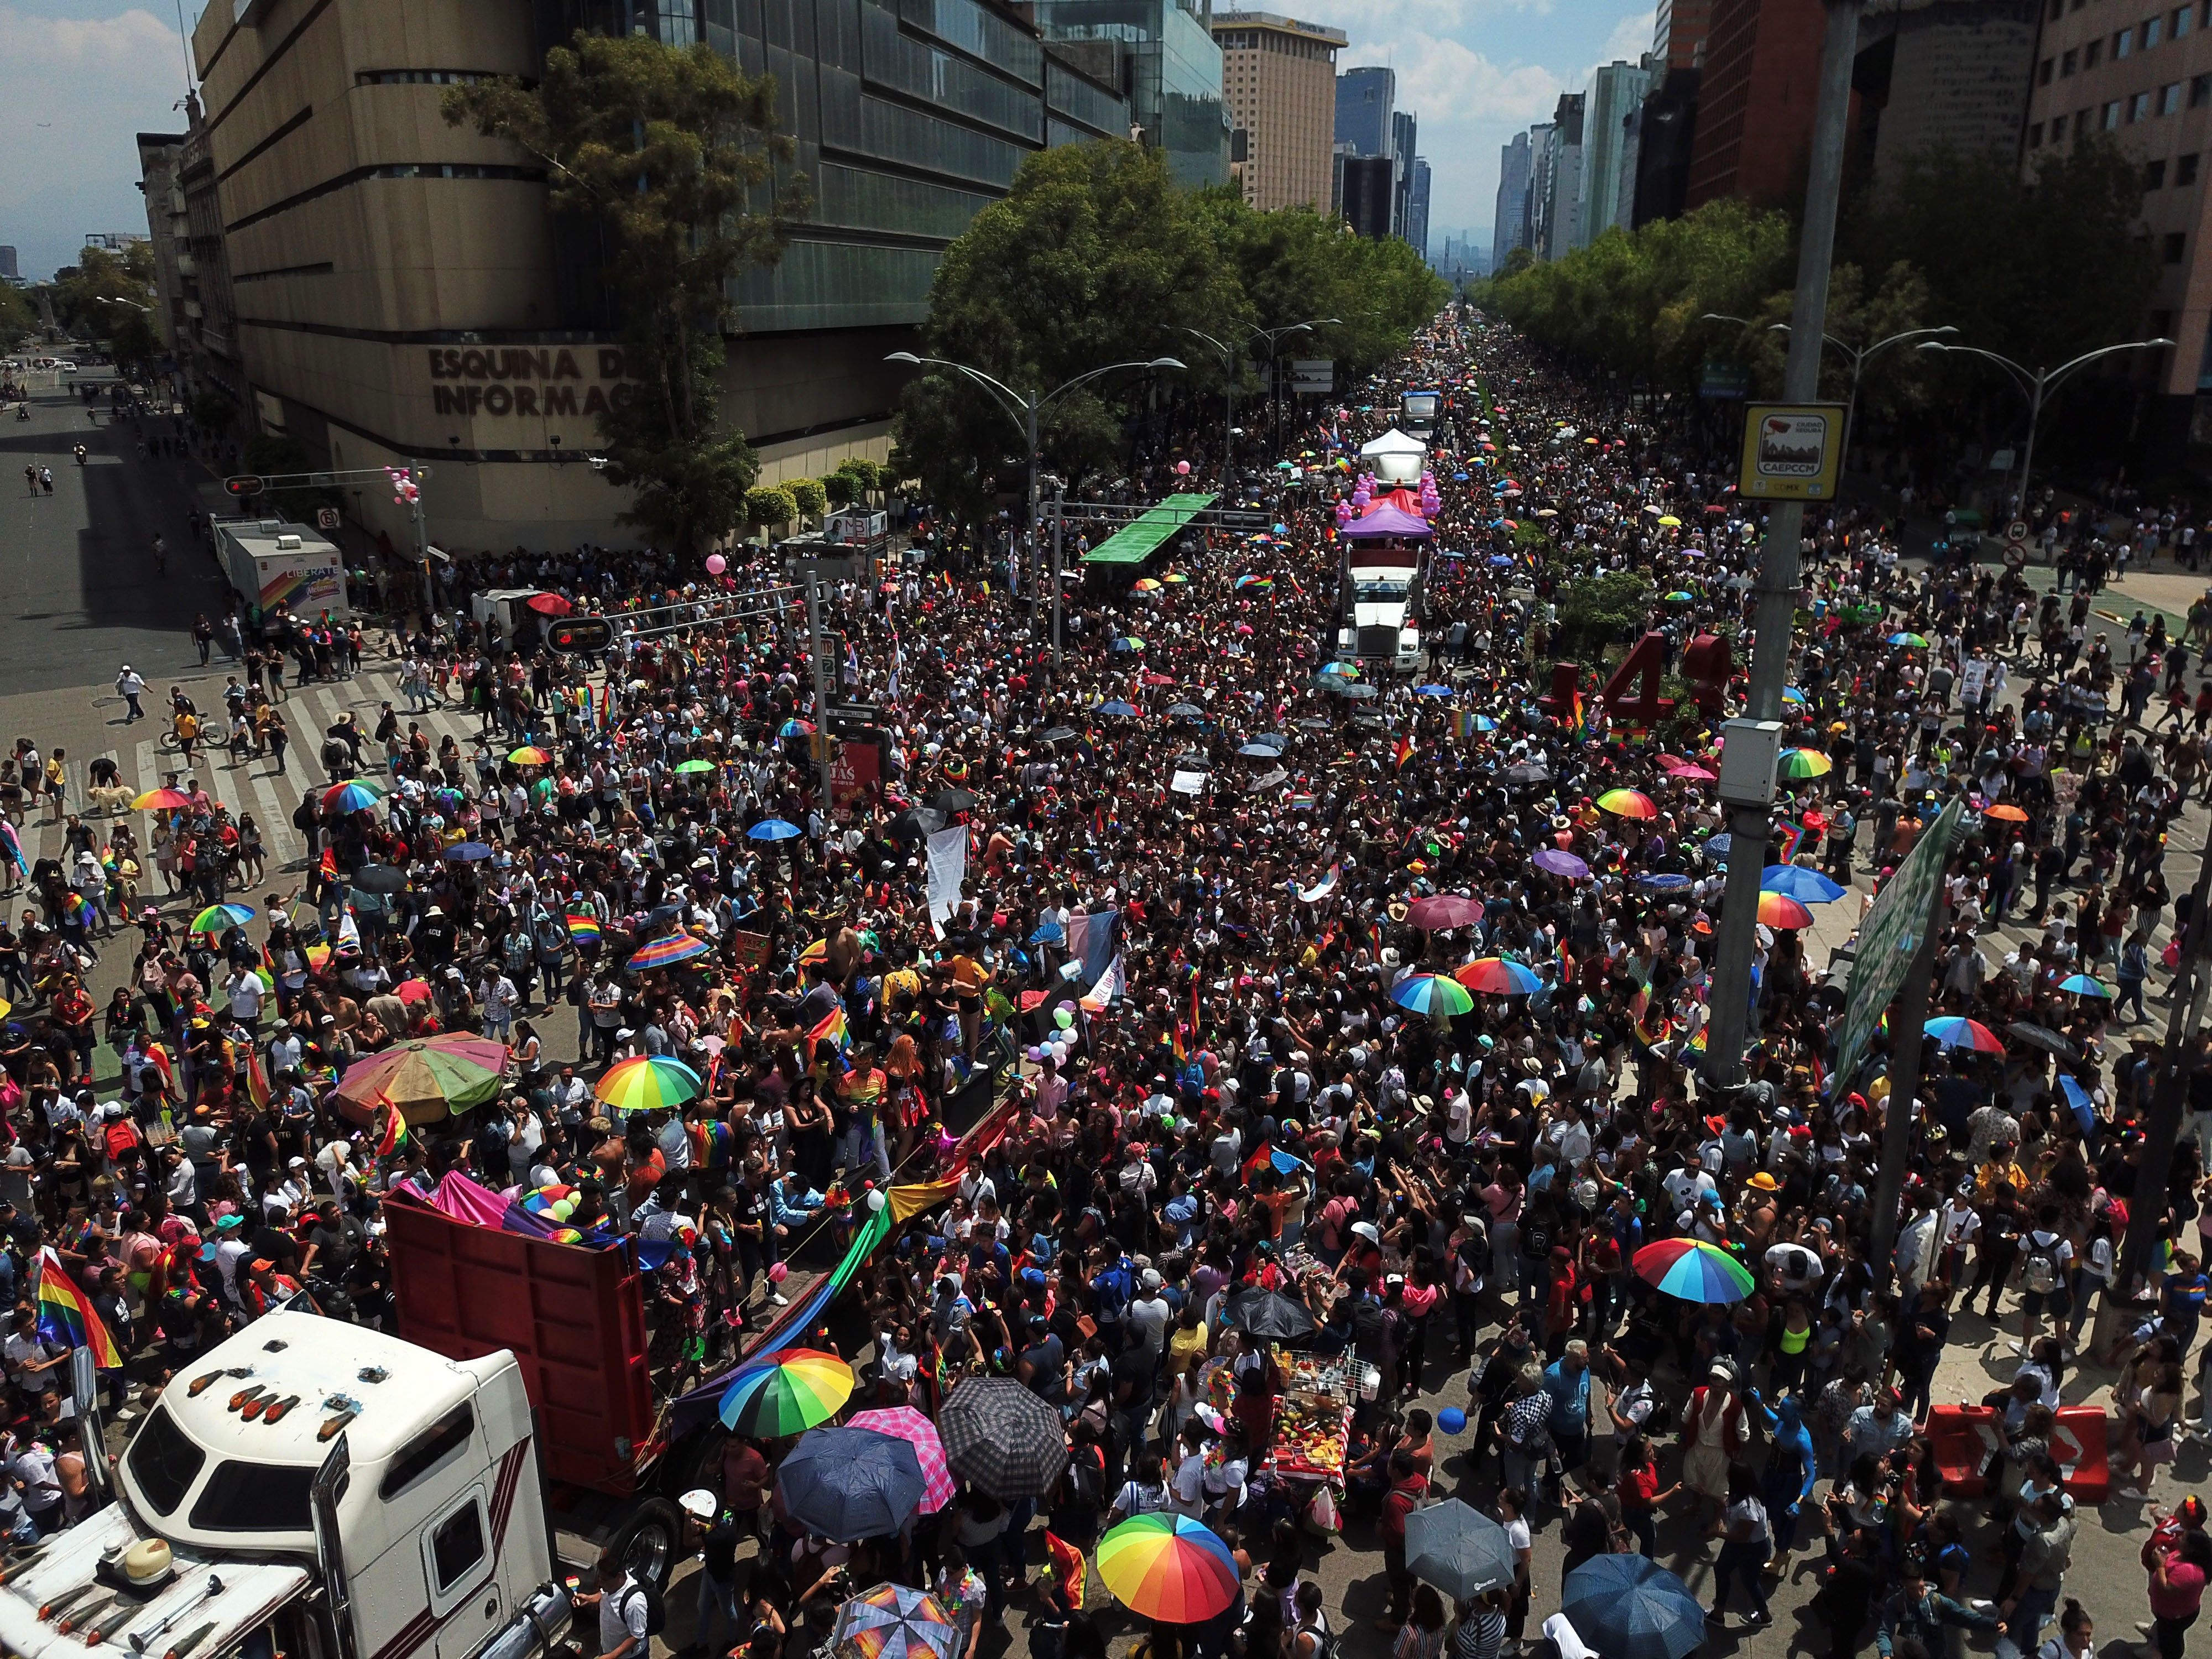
[1023,408]
[1858,356]
[2036,383]
[1229,354]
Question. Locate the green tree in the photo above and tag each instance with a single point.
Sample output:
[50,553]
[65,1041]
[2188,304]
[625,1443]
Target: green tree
[808,495]
[215,411]
[768,504]
[677,154]
[19,319]
[111,296]
[1596,611]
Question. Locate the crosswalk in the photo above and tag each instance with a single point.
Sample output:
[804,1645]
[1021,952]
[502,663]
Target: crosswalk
[255,786]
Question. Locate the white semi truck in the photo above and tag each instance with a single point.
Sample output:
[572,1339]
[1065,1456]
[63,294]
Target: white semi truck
[315,1489]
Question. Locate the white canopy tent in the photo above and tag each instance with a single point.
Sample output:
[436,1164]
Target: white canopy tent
[1398,459]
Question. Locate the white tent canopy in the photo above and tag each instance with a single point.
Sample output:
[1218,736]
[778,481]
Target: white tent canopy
[1398,459]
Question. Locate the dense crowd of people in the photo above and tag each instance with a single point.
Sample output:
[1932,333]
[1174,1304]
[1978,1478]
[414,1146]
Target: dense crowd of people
[1186,925]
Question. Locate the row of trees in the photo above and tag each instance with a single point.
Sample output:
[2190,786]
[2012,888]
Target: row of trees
[2037,267]
[106,296]
[855,479]
[1096,257]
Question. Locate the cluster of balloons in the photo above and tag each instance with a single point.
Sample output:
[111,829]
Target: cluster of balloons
[1431,502]
[555,1203]
[405,490]
[1060,1042]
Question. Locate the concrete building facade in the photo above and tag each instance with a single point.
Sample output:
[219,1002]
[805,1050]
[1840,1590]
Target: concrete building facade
[398,289]
[161,170]
[1559,232]
[1278,79]
[1417,208]
[1946,75]
[1679,31]
[1762,79]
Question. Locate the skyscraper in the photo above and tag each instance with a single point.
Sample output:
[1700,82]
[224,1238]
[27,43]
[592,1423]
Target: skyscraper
[1762,70]
[1417,208]
[1365,99]
[1678,38]
[1562,230]
[1509,229]
[1279,78]
[8,273]
[1405,140]
[1608,188]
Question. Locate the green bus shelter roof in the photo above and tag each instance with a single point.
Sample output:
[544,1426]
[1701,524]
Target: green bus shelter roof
[1135,542]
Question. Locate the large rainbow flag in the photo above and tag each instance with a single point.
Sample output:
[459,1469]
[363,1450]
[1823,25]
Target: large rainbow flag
[66,1316]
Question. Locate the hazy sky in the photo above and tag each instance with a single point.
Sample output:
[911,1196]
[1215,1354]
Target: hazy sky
[78,78]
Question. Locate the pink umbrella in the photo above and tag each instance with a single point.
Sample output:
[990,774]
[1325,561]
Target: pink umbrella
[904,1423]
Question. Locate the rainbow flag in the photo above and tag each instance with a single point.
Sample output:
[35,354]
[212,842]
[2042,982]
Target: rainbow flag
[831,1030]
[1788,832]
[1577,718]
[256,1082]
[65,1314]
[583,928]
[11,848]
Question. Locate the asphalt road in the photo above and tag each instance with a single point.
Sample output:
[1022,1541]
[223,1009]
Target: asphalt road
[79,594]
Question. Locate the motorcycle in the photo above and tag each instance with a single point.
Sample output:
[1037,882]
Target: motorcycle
[80,454]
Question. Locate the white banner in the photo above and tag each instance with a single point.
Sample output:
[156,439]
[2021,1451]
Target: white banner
[948,868]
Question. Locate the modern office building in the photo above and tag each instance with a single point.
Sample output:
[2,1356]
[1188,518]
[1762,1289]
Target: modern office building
[1371,194]
[1509,229]
[1940,76]
[1559,232]
[2145,83]
[208,353]
[1366,99]
[1666,131]
[398,289]
[160,168]
[1542,157]
[1278,79]
[1754,124]
[1679,31]
[1159,55]
[1610,142]
[1417,208]
[1405,144]
[9,272]
[113,241]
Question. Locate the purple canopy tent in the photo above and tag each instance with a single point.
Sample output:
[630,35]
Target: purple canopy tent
[1381,520]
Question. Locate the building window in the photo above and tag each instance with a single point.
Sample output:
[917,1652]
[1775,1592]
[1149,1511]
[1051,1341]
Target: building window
[2110,120]
[2153,175]
[2043,73]
[2184,170]
[2150,32]
[2124,42]
[2035,135]
[2093,54]
[2182,17]
[2139,107]
[2067,62]
[2177,244]
[2169,98]
[2200,91]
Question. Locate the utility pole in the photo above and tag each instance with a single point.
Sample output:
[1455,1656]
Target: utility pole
[1749,828]
[821,682]
[1904,1090]
[1029,430]
[417,474]
[1059,527]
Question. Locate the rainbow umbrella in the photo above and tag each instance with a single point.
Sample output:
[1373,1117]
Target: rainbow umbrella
[529,755]
[1804,764]
[352,795]
[785,1394]
[668,952]
[2081,985]
[1499,977]
[1432,994]
[582,927]
[1145,584]
[648,1082]
[1167,1568]
[894,1622]
[220,917]
[1914,641]
[1780,910]
[1693,1270]
[161,800]
[1627,804]
[426,1078]
[795,729]
[1175,578]
[1953,1032]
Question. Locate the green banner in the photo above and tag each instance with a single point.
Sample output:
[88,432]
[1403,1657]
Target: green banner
[1888,938]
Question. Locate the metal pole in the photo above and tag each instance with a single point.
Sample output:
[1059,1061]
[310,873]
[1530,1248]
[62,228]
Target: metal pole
[821,682]
[2191,986]
[1229,427]
[1904,1090]
[416,475]
[2027,456]
[1851,418]
[1031,430]
[1749,827]
[1059,527]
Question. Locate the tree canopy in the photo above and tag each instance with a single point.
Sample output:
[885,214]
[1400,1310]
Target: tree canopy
[111,296]
[1096,256]
[677,153]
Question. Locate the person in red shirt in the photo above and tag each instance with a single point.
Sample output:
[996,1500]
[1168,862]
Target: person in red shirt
[2179,1562]
[1408,1486]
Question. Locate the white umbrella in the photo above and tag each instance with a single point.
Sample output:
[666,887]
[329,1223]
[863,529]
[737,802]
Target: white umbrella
[1795,1261]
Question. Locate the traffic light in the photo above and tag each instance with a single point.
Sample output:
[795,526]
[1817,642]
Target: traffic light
[244,484]
[580,634]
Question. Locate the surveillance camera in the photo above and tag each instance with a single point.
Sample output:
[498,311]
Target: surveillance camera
[599,463]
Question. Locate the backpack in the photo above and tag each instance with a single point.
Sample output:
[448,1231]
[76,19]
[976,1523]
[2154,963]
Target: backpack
[1087,1483]
[656,1611]
[2039,1273]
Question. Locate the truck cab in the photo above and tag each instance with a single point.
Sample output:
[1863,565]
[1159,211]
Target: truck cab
[1381,626]
[1418,413]
[323,1490]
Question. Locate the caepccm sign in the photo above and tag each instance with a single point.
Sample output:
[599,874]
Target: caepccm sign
[532,382]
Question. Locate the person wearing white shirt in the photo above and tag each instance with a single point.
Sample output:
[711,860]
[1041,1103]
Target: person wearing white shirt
[246,992]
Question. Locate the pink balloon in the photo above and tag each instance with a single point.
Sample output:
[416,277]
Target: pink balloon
[777,1272]
[716,564]
[1182,469]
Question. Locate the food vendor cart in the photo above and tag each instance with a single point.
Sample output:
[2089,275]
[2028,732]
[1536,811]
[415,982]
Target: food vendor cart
[1313,1415]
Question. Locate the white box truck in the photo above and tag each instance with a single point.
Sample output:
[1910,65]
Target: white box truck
[275,566]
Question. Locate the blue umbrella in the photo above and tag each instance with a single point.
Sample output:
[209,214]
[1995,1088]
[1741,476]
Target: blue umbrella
[850,1484]
[1629,1606]
[1663,881]
[1275,740]
[774,829]
[1796,881]
[1432,690]
[1117,707]
[2085,1109]
[1717,846]
[468,852]
[1258,750]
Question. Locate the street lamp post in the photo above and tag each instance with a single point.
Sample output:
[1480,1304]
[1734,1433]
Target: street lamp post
[2037,383]
[1023,408]
[1229,354]
[1858,355]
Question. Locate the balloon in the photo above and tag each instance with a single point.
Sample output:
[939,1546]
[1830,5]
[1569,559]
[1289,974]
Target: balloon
[1451,1419]
[716,564]
[777,1272]
[1182,469]
[1036,1053]
[1063,1018]
[875,1202]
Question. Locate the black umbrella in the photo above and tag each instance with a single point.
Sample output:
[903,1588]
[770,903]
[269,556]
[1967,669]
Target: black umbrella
[1186,711]
[918,822]
[378,878]
[2043,1037]
[1528,772]
[1311,723]
[1057,734]
[953,801]
[1001,1438]
[848,1483]
[1270,1314]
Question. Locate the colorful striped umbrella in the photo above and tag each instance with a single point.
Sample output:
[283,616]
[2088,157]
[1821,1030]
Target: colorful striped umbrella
[1802,764]
[910,1426]
[427,1078]
[1952,1032]
[2081,985]
[648,1082]
[220,918]
[894,1622]
[1628,803]
[1693,1270]
[352,795]
[1780,910]
[1169,1568]
[795,729]
[583,928]
[529,755]
[1914,641]
[1432,994]
[668,952]
[1496,976]
[787,1393]
[161,800]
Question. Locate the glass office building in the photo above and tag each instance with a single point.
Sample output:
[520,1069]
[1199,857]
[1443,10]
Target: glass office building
[1168,66]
